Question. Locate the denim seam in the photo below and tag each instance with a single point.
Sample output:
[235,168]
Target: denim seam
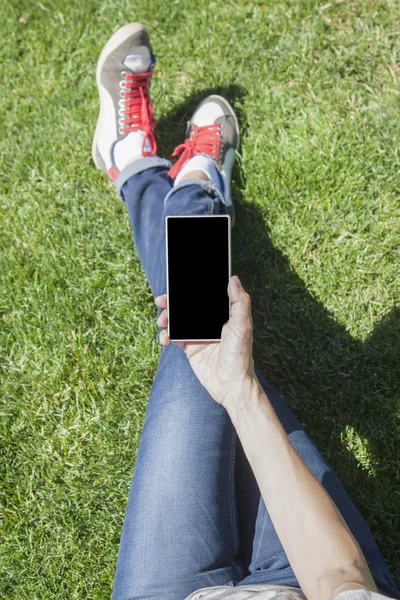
[231,503]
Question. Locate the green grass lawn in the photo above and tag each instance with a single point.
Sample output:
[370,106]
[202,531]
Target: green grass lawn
[317,244]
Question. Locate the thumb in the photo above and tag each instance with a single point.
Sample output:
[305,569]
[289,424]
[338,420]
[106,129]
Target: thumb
[240,303]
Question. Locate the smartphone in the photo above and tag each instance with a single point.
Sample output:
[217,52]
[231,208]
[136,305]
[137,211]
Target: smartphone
[198,258]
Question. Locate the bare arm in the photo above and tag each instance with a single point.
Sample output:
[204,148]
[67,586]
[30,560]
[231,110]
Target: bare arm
[323,553]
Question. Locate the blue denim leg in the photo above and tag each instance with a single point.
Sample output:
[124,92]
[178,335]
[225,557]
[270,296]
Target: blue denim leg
[262,554]
[180,528]
[150,197]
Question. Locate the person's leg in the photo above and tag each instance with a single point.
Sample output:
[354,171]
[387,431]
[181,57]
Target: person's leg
[262,554]
[180,527]
[179,532]
[149,196]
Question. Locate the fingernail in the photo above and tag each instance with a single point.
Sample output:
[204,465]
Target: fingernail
[237,281]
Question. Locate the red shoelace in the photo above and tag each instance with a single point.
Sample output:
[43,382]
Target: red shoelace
[137,109]
[203,140]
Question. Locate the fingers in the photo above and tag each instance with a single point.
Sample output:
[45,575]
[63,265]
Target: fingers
[240,303]
[164,338]
[162,320]
[161,301]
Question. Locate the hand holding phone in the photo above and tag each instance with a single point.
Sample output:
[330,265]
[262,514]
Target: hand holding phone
[224,368]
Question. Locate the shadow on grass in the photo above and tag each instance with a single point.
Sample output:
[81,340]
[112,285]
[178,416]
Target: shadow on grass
[332,382]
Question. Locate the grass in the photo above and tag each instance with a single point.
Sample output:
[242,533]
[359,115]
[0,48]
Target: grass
[317,183]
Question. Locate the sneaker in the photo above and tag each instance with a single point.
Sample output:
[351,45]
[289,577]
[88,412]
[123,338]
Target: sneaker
[212,132]
[125,127]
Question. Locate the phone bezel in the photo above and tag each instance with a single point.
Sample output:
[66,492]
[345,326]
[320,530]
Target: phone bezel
[226,216]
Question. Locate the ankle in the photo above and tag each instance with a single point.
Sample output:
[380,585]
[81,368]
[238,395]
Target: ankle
[200,167]
[195,174]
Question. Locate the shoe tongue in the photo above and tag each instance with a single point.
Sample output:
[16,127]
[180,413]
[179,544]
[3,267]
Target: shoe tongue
[139,60]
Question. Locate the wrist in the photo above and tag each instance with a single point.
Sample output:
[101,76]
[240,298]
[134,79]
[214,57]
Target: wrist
[243,396]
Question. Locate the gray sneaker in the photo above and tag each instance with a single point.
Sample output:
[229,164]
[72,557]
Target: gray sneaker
[123,76]
[212,131]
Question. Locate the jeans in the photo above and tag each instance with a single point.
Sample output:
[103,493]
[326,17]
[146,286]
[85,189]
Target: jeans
[195,517]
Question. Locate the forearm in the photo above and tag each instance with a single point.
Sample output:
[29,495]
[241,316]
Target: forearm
[324,555]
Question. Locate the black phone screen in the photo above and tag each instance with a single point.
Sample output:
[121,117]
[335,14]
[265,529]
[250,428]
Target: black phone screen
[198,271]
